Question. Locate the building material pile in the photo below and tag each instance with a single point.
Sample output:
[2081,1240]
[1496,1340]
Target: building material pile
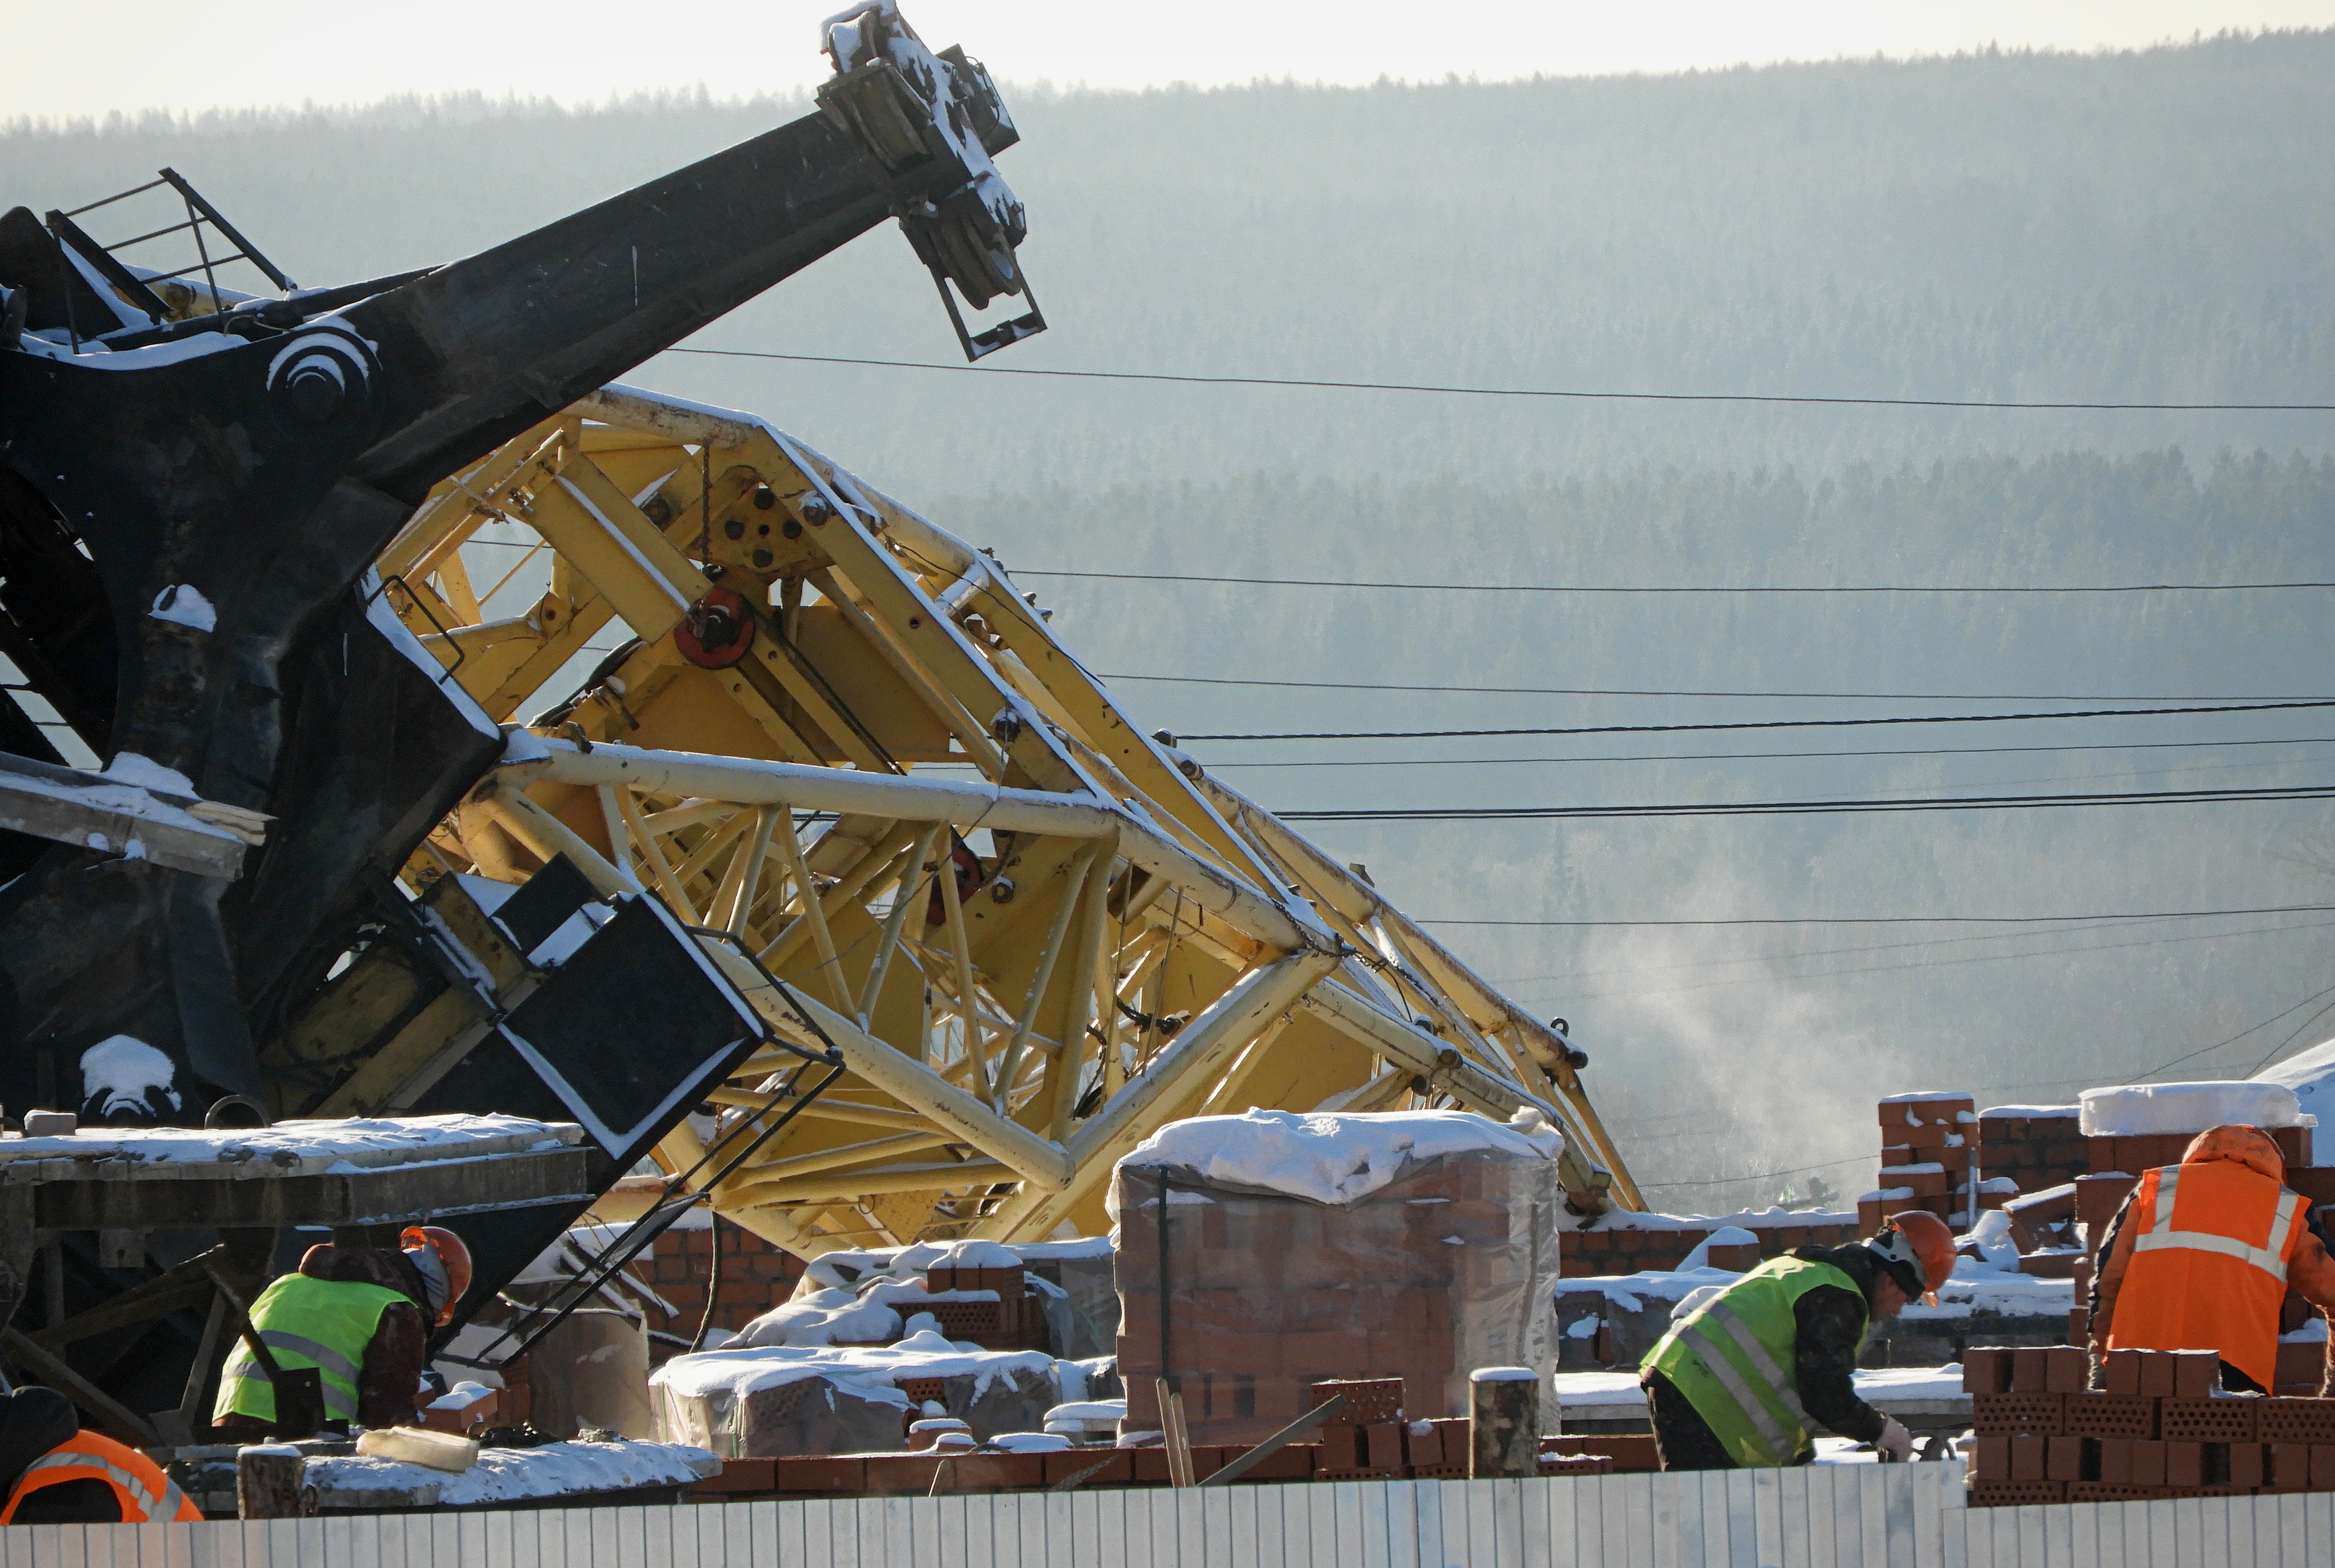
[2158,1428]
[1626,1241]
[2033,1147]
[1373,1438]
[1293,1249]
[1927,1139]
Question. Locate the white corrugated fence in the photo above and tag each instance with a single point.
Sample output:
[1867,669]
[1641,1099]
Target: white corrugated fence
[1826,1516]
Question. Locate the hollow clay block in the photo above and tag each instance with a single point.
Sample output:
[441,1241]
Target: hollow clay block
[2195,1374]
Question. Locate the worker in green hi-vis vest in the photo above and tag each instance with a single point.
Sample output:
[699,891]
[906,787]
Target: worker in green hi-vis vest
[361,1316]
[1737,1382]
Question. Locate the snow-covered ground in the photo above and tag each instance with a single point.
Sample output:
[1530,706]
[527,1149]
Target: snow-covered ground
[515,1475]
[291,1147]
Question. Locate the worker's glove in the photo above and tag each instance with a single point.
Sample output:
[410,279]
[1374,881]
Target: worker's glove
[1896,1444]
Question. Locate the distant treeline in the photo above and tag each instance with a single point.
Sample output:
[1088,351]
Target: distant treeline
[2144,227]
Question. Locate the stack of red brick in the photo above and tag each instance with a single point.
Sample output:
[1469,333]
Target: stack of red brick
[1369,1440]
[1445,1269]
[679,1267]
[2157,1429]
[1926,1146]
[1015,1321]
[1622,1251]
[2038,1147]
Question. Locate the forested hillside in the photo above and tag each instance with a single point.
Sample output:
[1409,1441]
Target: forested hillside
[2142,227]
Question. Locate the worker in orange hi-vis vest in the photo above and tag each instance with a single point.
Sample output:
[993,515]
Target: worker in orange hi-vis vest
[2201,1254]
[53,1473]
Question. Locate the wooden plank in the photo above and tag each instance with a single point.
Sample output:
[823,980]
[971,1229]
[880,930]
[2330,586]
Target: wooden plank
[955,1551]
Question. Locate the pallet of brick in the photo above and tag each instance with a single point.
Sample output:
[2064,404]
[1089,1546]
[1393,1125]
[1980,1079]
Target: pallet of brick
[2159,1428]
[1926,1138]
[1627,1242]
[786,1401]
[2134,1127]
[1302,1248]
[2033,1146]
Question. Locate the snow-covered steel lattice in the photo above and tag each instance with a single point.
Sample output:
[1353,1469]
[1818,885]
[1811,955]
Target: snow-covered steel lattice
[835,733]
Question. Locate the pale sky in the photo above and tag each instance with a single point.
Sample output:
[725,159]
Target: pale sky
[235,52]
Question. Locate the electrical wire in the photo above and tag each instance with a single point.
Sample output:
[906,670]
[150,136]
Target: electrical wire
[1696,588]
[1806,808]
[1804,954]
[1574,998]
[1565,393]
[1767,723]
[1914,919]
[1767,756]
[1661,692]
[1759,1176]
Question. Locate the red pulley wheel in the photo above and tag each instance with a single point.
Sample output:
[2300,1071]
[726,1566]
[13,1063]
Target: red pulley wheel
[717,631]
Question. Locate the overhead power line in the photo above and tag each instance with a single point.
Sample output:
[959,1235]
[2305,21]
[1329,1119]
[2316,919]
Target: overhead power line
[1680,588]
[1805,808]
[1772,756]
[1726,1182]
[1562,393]
[1917,919]
[1767,723]
[1656,691]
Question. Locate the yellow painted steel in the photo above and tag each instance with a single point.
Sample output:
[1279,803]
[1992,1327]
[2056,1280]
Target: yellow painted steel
[1072,937]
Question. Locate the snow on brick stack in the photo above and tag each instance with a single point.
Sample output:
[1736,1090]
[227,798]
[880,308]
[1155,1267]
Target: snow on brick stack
[756,1274]
[2033,1147]
[1625,1241]
[1305,1248]
[1926,1143]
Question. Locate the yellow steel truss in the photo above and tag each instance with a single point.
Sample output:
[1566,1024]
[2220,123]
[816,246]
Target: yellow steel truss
[1138,943]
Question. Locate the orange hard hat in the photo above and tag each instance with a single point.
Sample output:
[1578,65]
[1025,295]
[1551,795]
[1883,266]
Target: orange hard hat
[453,1255]
[1921,1241]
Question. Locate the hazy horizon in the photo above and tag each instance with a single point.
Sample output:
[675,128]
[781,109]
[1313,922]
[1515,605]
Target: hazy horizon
[2148,225]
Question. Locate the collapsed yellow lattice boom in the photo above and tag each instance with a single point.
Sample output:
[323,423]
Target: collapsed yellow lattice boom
[819,704]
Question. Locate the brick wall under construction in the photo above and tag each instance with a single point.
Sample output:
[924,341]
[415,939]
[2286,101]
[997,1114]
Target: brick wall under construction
[679,1267]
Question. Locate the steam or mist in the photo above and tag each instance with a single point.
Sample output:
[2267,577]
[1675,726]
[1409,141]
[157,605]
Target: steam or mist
[2142,227]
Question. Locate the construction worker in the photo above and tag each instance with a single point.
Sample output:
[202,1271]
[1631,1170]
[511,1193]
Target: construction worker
[2201,1254]
[1736,1382]
[361,1316]
[53,1473]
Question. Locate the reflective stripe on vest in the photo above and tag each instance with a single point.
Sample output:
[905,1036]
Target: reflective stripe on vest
[2208,1266]
[327,1325]
[1737,1382]
[155,1497]
[2163,1237]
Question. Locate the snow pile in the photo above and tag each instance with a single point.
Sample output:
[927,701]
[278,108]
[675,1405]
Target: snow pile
[1747,1219]
[298,1147]
[872,1372]
[871,1314]
[182,604]
[2146,1109]
[1331,1160]
[2030,1112]
[2310,1074]
[1086,1416]
[515,1475]
[125,1073]
[1724,1237]
[975,1255]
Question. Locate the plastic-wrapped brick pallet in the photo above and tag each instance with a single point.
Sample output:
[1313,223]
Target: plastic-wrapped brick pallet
[1300,1248]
